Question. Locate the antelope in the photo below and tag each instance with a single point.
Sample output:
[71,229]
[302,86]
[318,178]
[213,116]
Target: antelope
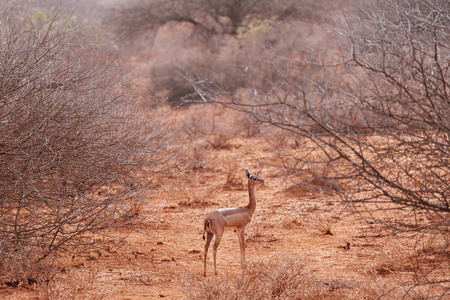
[216,221]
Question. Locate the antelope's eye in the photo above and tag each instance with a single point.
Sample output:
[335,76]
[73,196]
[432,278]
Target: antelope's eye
[254,179]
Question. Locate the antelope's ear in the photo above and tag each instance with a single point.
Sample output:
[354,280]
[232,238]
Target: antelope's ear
[259,172]
[247,174]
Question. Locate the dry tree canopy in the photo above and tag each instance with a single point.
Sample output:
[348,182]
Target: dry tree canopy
[376,103]
[215,37]
[71,147]
[208,17]
[373,110]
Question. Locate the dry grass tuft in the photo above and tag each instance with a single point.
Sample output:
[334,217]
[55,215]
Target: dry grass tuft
[325,225]
[74,286]
[286,278]
[220,140]
[19,266]
[234,177]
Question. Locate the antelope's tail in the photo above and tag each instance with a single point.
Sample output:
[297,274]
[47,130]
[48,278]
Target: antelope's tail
[204,228]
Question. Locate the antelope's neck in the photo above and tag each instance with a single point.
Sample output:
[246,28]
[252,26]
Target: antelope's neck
[251,194]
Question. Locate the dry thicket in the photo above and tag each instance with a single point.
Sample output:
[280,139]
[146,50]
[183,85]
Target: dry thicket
[377,107]
[71,147]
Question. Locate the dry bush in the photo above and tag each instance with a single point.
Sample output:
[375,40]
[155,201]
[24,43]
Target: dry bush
[72,147]
[317,179]
[220,140]
[285,278]
[201,197]
[207,120]
[197,158]
[375,106]
[203,128]
[430,263]
[383,264]
[234,176]
[74,285]
[191,155]
[19,266]
[198,195]
[384,267]
[304,166]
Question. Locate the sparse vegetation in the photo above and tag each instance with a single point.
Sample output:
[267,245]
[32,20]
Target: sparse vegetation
[375,108]
[285,278]
[109,163]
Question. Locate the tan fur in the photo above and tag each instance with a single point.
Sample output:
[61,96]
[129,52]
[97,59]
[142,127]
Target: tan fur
[238,218]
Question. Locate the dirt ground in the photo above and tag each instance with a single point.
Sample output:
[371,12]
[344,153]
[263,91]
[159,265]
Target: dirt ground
[154,261]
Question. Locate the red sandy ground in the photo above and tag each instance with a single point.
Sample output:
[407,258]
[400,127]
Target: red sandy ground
[154,262]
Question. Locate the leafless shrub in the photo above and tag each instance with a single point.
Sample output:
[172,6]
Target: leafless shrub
[209,127]
[234,177]
[19,267]
[200,197]
[73,286]
[71,148]
[399,150]
[192,155]
[198,160]
[220,141]
[377,108]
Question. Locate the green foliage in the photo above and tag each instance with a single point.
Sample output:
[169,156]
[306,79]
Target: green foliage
[45,19]
[255,27]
